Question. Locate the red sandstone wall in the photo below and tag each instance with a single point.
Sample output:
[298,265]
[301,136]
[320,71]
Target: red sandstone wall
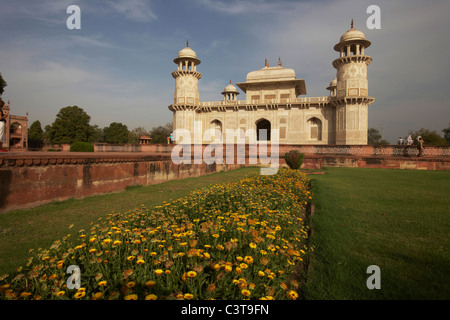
[34,178]
[29,181]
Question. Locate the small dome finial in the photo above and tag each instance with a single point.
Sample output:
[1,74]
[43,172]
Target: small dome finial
[352,24]
[187,44]
[280,64]
[265,63]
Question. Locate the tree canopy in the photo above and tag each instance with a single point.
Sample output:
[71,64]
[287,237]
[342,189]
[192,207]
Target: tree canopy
[374,138]
[2,84]
[71,125]
[116,133]
[35,132]
[160,133]
[429,137]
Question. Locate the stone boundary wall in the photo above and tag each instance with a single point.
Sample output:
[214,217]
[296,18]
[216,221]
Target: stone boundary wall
[34,178]
[31,179]
[353,150]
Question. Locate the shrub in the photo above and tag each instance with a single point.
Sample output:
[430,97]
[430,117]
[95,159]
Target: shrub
[81,147]
[294,159]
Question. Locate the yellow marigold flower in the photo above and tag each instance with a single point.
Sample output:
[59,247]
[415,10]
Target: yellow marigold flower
[167,272]
[192,274]
[291,294]
[228,268]
[140,261]
[215,235]
[79,294]
[150,284]
[131,284]
[137,241]
[92,250]
[117,242]
[248,259]
[159,272]
[238,270]
[130,258]
[207,246]
[245,292]
[93,239]
[131,297]
[60,293]
[261,274]
[97,296]
[102,283]
[206,255]
[252,245]
[153,254]
[188,296]
[151,297]
[243,266]
[239,258]
[217,266]
[107,241]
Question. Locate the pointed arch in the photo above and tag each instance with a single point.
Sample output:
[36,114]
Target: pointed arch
[263,128]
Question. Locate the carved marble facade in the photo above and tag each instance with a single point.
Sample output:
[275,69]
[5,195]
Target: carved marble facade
[272,104]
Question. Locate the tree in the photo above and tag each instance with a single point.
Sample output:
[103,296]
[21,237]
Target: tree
[71,125]
[35,136]
[35,132]
[374,138]
[97,134]
[446,132]
[431,138]
[160,134]
[2,84]
[116,133]
[135,134]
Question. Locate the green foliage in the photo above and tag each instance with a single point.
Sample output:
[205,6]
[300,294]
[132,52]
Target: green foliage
[35,132]
[135,134]
[97,134]
[81,147]
[294,159]
[2,84]
[431,138]
[374,138]
[71,125]
[446,132]
[116,133]
[160,134]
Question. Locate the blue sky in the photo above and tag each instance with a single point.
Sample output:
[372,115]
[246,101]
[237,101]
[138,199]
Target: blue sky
[118,66]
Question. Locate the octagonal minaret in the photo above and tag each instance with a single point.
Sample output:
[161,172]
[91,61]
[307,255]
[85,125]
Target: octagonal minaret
[186,96]
[351,99]
[186,77]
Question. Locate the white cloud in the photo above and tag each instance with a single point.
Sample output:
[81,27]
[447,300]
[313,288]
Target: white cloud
[247,6]
[138,10]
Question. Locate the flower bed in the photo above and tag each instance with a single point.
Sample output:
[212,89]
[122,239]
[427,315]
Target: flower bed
[240,240]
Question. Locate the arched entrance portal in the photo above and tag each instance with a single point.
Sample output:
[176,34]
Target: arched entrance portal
[263,130]
[315,129]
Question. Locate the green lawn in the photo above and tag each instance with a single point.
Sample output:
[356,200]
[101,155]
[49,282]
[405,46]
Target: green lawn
[398,220]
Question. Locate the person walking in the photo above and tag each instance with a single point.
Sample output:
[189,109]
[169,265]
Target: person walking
[420,146]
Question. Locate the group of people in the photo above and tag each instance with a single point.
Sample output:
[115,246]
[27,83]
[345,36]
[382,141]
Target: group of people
[409,142]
